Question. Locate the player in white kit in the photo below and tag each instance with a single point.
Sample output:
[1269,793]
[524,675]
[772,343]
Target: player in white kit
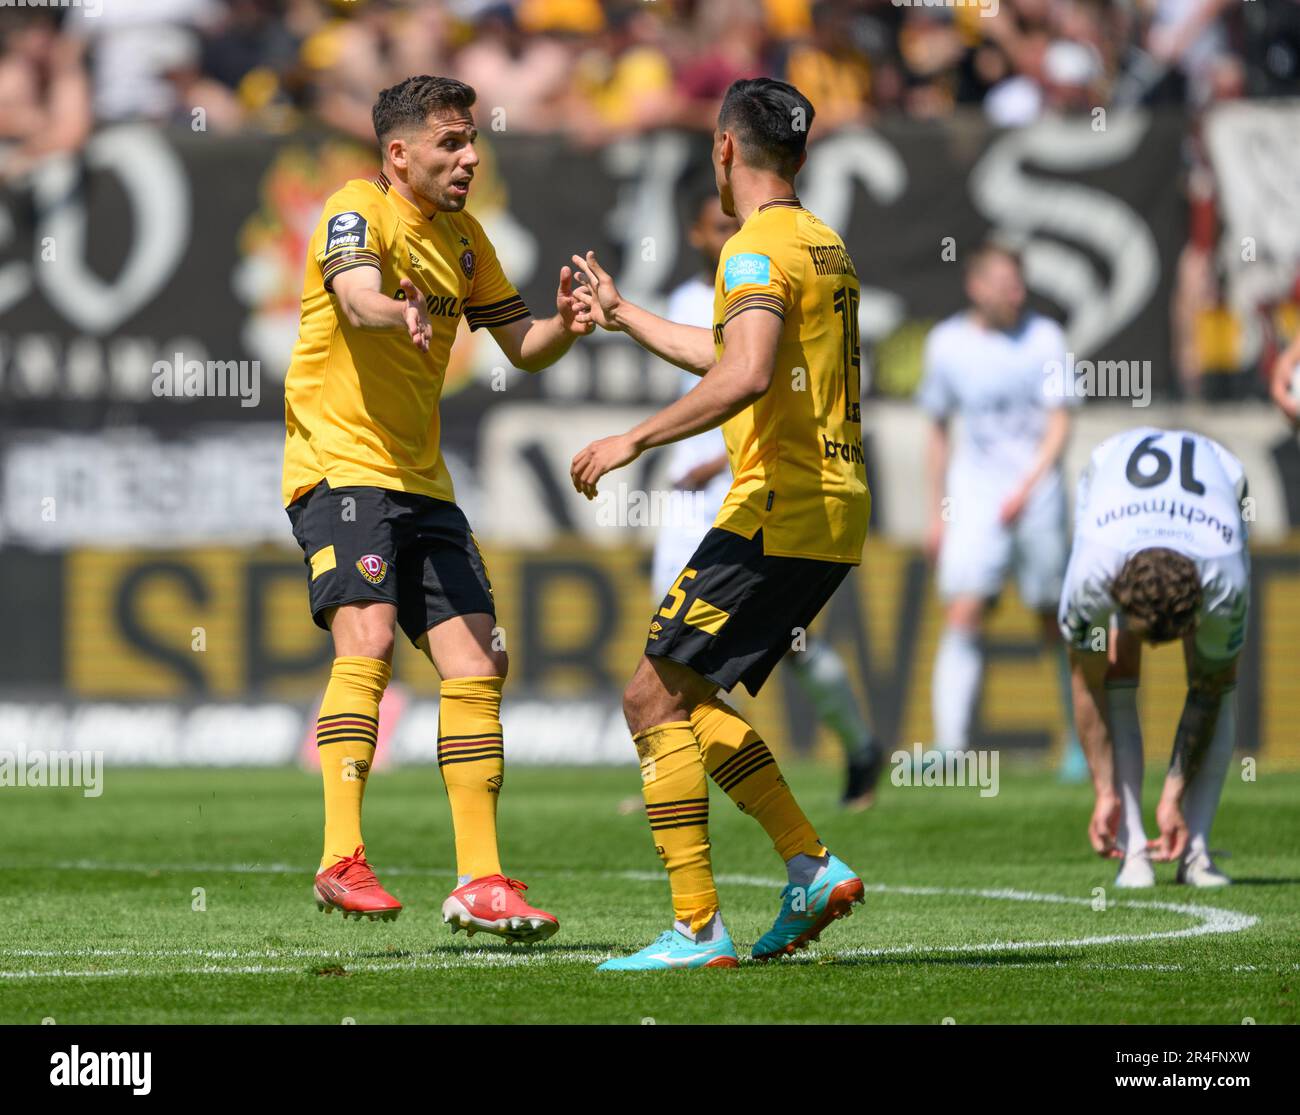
[997,495]
[698,468]
[1159,554]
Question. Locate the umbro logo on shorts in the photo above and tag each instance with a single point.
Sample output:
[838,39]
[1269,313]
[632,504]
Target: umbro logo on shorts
[373,568]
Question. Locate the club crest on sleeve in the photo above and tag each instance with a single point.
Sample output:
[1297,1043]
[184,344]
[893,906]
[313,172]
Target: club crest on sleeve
[373,568]
[468,262]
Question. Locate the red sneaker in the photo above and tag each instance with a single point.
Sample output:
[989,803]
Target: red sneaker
[350,885]
[494,904]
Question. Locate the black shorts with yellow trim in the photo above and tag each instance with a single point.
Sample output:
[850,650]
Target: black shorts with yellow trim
[735,612]
[372,544]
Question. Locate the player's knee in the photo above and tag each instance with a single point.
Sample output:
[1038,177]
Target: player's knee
[376,643]
[639,701]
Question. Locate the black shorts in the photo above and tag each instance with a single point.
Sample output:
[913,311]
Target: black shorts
[398,548]
[734,612]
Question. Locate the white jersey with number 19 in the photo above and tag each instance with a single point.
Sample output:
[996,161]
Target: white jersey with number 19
[1170,489]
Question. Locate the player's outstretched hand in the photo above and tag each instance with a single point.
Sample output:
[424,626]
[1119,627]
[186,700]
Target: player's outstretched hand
[417,321]
[1172,840]
[576,317]
[600,457]
[601,295]
[1104,826]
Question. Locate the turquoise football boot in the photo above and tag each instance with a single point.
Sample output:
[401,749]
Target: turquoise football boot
[806,911]
[673,950]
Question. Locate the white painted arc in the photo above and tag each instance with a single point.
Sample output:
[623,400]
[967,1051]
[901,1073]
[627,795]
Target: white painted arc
[1209,920]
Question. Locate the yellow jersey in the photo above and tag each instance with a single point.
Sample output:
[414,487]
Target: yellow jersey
[361,405]
[796,454]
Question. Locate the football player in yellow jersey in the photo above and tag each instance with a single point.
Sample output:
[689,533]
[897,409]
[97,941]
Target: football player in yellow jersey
[780,374]
[393,265]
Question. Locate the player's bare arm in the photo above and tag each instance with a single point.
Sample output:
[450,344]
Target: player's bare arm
[365,306]
[532,345]
[1088,671]
[936,463]
[1048,456]
[687,346]
[742,375]
[1284,371]
[1207,683]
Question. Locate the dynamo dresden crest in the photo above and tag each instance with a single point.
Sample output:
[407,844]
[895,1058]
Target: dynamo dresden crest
[373,568]
[467,262]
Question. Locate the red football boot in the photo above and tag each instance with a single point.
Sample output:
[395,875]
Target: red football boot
[350,885]
[495,904]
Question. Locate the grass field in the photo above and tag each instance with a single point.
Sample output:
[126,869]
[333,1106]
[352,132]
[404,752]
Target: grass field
[978,910]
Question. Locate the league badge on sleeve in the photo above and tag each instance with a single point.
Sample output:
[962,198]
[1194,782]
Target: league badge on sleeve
[345,230]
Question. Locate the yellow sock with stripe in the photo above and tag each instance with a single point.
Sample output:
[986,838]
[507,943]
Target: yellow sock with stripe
[347,727]
[739,762]
[676,793]
[471,756]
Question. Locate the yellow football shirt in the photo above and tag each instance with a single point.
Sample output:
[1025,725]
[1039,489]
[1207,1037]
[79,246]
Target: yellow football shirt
[361,405]
[796,454]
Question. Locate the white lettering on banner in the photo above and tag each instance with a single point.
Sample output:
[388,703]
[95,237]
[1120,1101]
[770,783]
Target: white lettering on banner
[1050,214]
[226,734]
[528,500]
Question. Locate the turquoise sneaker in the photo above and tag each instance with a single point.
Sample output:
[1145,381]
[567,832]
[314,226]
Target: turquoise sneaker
[672,950]
[806,911]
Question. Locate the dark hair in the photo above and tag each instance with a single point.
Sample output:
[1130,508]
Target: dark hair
[409,103]
[1162,590]
[988,250]
[771,121]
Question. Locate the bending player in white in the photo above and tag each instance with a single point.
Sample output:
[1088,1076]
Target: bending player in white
[1159,554]
[698,467]
[998,497]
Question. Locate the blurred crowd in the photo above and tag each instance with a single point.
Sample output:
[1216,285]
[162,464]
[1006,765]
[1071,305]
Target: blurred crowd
[598,69]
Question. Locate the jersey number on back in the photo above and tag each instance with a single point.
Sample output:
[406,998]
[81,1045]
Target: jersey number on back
[1164,466]
[846,305]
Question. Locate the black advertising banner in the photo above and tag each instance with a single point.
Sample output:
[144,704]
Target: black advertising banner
[156,249]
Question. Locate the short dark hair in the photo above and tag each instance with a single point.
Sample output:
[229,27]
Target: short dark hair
[409,103]
[1162,590]
[991,249]
[771,120]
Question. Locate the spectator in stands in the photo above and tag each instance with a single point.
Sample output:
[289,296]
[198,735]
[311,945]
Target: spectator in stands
[622,83]
[724,42]
[524,75]
[831,68]
[44,91]
[132,47]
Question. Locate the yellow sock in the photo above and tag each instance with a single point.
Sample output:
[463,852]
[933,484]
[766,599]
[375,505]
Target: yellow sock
[346,730]
[677,802]
[740,763]
[471,756]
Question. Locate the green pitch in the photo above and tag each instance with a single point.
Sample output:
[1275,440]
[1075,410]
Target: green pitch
[184,897]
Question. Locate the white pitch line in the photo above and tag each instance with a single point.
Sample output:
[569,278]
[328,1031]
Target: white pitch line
[1211,920]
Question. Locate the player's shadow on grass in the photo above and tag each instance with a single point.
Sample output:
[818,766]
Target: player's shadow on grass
[490,945]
